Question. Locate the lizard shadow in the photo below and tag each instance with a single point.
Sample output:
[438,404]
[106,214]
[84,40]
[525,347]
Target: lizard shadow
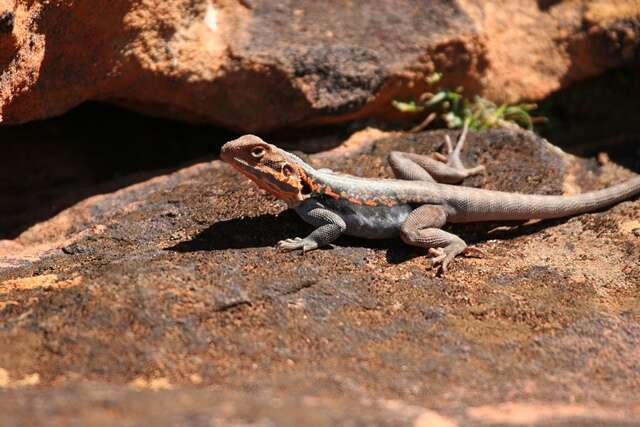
[267,230]
[240,233]
[396,251]
[472,234]
[479,232]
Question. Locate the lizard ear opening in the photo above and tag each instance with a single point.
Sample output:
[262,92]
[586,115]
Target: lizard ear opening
[306,188]
[287,170]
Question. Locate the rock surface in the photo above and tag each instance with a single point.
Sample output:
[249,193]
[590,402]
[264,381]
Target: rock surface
[258,65]
[164,303]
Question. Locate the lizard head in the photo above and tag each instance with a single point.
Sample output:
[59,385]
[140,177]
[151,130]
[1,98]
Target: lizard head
[272,169]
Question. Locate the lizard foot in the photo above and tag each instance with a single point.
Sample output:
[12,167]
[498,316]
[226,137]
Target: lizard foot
[442,257]
[296,243]
[452,159]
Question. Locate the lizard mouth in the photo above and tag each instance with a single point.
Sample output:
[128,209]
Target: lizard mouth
[266,181]
[239,164]
[244,168]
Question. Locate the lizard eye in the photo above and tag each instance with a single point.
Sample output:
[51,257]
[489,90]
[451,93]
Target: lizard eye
[258,152]
[287,170]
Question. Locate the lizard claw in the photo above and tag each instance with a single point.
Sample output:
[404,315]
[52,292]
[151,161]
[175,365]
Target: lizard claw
[289,245]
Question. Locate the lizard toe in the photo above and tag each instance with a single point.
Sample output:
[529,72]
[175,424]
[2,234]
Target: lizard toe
[309,246]
[440,157]
[473,251]
[438,256]
[442,264]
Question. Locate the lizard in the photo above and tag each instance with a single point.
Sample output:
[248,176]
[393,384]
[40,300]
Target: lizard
[414,206]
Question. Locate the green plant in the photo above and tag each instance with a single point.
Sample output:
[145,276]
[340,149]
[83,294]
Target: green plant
[454,109]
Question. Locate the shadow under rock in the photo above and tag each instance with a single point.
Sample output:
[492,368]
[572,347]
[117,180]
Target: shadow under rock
[597,114]
[49,165]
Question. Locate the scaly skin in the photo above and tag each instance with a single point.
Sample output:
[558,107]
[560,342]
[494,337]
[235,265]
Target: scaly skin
[414,207]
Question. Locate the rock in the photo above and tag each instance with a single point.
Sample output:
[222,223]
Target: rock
[193,317]
[261,65]
[74,249]
[432,419]
[542,414]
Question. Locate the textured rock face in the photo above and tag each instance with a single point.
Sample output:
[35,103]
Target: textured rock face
[165,303]
[257,65]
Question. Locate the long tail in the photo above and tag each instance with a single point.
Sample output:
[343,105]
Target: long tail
[484,205]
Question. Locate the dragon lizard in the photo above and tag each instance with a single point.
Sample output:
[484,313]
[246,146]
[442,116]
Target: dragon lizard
[415,206]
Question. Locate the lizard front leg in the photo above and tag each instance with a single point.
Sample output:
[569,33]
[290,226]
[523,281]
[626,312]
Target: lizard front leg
[422,228]
[330,227]
[447,170]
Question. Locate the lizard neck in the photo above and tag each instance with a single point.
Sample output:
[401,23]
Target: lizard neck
[358,190]
[308,176]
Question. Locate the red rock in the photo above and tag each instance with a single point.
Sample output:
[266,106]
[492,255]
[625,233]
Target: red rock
[165,302]
[263,65]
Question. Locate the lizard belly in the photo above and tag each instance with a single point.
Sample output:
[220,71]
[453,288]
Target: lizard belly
[370,222]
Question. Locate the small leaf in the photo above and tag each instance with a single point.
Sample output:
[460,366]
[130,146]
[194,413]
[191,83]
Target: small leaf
[520,116]
[452,120]
[407,107]
[528,107]
[454,109]
[434,78]
[438,97]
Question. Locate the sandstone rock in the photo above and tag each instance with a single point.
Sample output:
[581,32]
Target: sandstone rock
[178,310]
[258,65]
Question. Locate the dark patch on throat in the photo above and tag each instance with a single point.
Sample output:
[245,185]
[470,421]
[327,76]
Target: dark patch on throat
[306,188]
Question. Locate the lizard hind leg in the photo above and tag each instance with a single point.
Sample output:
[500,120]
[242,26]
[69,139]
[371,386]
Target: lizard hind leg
[436,168]
[422,228]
